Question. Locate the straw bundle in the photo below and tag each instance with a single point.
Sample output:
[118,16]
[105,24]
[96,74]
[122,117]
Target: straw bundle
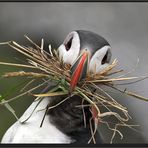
[48,67]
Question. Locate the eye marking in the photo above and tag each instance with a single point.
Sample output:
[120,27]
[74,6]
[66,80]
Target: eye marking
[104,60]
[68,44]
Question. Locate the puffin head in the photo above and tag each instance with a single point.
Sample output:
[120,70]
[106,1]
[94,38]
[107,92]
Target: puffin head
[86,52]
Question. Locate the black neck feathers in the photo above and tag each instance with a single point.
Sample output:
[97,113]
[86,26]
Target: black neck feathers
[68,117]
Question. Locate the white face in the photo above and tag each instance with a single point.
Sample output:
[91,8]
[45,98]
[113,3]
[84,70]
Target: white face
[69,51]
[100,59]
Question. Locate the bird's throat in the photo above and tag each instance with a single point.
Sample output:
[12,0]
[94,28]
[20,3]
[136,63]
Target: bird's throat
[68,117]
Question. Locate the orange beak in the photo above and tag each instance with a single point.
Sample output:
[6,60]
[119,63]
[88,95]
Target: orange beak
[79,70]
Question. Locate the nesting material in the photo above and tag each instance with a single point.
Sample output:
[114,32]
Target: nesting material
[48,67]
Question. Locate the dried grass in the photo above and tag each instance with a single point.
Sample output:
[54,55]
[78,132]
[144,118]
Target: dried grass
[52,68]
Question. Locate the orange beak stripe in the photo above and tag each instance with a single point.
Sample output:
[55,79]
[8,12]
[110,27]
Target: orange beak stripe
[78,71]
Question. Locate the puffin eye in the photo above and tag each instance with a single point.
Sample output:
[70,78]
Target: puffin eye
[106,57]
[68,44]
[104,60]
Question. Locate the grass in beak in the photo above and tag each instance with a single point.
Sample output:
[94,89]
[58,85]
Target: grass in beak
[49,68]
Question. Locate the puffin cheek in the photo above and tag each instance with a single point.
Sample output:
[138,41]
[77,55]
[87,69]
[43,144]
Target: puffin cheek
[101,67]
[94,66]
[61,51]
[69,57]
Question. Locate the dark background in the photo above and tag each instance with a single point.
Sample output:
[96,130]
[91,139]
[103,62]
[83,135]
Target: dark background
[124,25]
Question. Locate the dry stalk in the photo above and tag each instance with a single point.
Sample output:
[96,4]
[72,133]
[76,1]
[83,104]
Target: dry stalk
[51,68]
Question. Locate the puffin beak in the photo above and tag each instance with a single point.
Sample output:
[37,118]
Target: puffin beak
[79,69]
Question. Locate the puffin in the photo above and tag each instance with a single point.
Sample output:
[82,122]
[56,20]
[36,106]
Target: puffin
[85,51]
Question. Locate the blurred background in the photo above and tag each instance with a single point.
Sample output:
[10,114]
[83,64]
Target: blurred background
[124,25]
